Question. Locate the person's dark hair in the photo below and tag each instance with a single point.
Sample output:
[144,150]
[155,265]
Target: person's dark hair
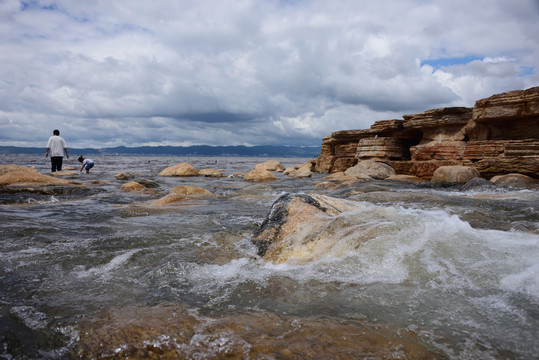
[81,159]
[56,132]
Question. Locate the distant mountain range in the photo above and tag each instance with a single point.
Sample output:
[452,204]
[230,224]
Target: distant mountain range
[199,150]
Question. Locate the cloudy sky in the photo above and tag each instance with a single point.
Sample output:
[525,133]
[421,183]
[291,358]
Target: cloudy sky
[249,72]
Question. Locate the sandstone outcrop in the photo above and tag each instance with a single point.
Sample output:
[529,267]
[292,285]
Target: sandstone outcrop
[183,169]
[499,135]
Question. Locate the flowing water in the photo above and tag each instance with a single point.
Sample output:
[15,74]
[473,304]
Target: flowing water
[418,271]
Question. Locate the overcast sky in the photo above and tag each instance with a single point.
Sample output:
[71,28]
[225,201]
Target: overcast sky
[249,72]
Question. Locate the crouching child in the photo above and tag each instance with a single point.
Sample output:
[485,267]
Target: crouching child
[88,163]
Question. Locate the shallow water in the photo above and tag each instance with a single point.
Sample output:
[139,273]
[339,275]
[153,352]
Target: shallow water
[454,272]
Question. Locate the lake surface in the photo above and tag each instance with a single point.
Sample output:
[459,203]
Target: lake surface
[102,273]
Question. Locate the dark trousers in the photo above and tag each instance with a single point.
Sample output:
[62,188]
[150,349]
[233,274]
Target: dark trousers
[56,163]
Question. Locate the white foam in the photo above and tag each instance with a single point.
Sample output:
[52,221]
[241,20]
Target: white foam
[105,270]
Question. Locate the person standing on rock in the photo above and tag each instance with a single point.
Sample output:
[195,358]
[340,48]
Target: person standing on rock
[57,146]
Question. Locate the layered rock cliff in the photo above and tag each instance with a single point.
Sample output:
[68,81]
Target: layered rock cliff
[499,135]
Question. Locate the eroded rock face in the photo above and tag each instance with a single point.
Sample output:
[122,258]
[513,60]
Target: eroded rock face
[499,135]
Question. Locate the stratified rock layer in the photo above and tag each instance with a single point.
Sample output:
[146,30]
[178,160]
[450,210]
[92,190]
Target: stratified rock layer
[499,135]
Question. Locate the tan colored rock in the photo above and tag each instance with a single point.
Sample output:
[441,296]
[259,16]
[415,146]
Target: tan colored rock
[370,169]
[514,180]
[259,174]
[183,193]
[211,172]
[407,178]
[189,190]
[455,174]
[65,174]
[20,175]
[271,165]
[169,199]
[183,169]
[282,235]
[132,186]
[4,169]
[299,171]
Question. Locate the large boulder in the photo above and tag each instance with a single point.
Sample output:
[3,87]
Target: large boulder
[183,169]
[299,171]
[271,165]
[370,169]
[132,186]
[259,174]
[454,174]
[21,175]
[514,180]
[296,224]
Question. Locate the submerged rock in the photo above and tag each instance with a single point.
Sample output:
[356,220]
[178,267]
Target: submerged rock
[124,176]
[150,184]
[174,332]
[477,182]
[182,193]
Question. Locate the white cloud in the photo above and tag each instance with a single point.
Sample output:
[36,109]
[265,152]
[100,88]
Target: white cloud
[256,72]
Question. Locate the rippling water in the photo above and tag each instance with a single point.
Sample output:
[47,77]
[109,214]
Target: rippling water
[455,272]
